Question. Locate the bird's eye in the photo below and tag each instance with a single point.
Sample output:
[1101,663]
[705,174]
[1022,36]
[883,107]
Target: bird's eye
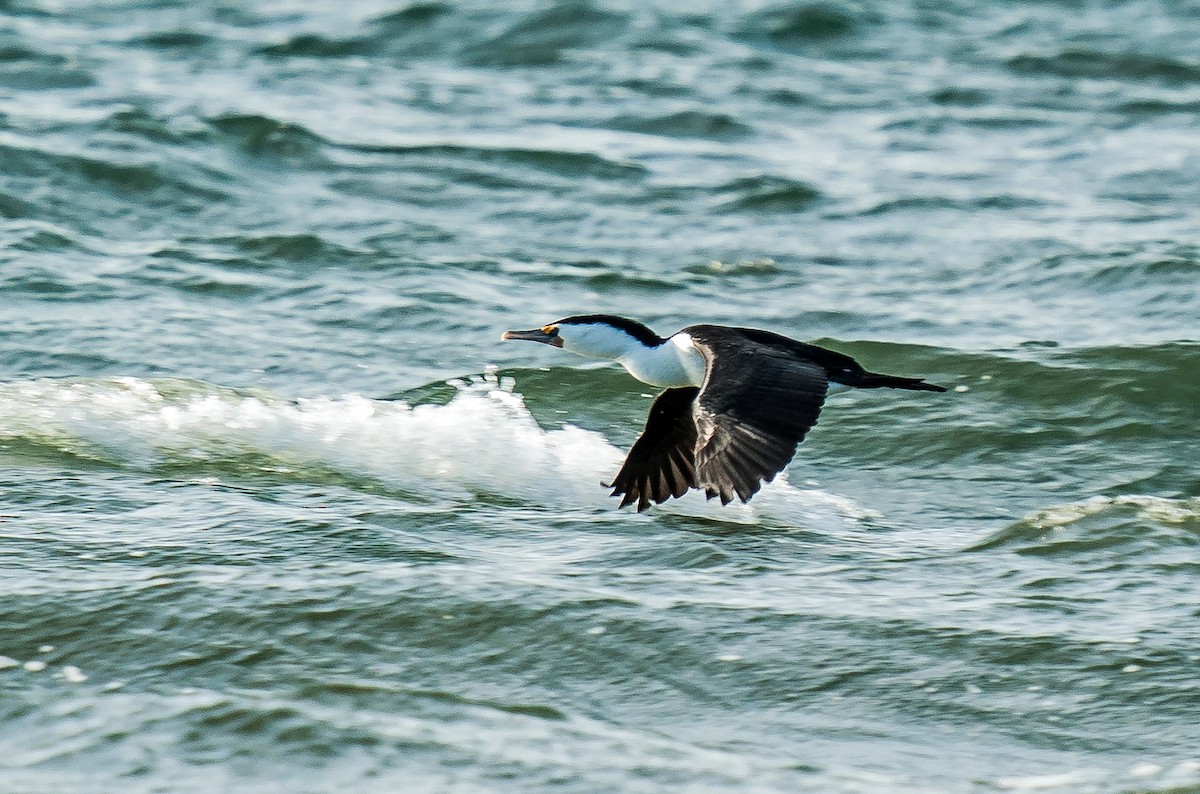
[550,330]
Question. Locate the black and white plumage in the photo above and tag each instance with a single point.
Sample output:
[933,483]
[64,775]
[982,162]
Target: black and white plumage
[737,401]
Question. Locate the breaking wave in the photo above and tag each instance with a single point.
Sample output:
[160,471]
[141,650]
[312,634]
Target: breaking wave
[483,442]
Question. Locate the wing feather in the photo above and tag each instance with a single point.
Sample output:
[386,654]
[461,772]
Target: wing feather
[661,463]
[735,432]
[755,406]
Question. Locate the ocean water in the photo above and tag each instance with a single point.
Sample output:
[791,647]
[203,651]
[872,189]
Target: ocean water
[279,512]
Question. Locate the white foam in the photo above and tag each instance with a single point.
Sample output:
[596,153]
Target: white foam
[483,441]
[1049,781]
[72,674]
[1164,510]
[779,501]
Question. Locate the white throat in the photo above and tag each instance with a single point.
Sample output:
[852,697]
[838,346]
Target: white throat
[673,364]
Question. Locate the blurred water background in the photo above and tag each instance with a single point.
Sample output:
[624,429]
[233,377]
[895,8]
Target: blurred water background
[278,512]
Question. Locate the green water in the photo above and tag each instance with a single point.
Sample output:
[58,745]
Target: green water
[279,512]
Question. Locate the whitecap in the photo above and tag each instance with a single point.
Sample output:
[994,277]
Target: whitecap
[1157,508]
[484,440]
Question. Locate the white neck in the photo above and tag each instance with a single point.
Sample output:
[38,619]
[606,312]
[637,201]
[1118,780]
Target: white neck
[673,364]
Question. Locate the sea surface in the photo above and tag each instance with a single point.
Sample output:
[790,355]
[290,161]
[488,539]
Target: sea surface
[280,513]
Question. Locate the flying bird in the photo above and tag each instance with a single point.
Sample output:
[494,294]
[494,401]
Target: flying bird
[737,401]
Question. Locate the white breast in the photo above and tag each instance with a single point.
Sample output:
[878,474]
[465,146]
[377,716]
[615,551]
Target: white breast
[673,364]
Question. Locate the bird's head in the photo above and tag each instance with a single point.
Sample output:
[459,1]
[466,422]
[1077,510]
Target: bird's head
[600,336]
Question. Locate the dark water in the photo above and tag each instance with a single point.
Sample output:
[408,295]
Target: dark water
[252,540]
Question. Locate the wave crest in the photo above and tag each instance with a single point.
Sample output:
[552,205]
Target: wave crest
[1131,523]
[483,442]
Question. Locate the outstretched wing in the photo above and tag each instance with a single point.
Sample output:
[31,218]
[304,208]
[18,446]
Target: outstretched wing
[661,463]
[755,406]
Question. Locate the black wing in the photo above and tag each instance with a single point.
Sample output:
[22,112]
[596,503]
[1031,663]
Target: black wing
[756,405]
[661,463]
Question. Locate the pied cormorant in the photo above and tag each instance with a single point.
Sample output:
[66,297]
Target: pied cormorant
[737,401]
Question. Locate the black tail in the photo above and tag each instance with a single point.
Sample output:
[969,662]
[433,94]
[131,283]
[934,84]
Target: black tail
[873,380]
